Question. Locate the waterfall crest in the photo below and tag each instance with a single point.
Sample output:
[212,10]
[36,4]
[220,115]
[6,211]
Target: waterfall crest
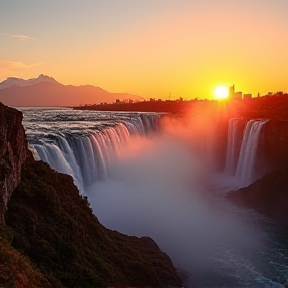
[248,152]
[241,163]
[85,145]
[233,146]
[88,158]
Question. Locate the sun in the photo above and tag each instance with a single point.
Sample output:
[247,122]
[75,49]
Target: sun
[221,92]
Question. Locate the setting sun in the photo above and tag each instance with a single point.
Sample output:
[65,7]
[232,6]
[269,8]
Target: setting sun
[221,92]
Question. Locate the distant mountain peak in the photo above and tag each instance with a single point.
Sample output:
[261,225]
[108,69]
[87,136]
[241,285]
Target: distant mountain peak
[45,91]
[14,81]
[43,77]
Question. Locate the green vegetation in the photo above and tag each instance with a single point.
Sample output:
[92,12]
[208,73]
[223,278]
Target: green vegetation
[16,270]
[49,221]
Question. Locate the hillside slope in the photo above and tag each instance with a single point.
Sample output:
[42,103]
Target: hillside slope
[53,228]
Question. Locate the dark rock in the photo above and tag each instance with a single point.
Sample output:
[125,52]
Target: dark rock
[268,195]
[276,143]
[51,224]
[56,228]
[13,153]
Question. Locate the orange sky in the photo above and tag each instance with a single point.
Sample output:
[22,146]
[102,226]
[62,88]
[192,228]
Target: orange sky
[149,48]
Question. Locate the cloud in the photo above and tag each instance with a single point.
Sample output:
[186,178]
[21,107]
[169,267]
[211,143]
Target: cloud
[15,66]
[20,37]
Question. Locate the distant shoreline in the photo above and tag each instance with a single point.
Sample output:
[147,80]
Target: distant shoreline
[149,106]
[273,107]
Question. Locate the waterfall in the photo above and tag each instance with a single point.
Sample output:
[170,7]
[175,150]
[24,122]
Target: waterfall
[88,158]
[248,151]
[61,158]
[233,145]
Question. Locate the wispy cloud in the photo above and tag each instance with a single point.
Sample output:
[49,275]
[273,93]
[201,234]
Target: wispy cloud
[20,37]
[15,66]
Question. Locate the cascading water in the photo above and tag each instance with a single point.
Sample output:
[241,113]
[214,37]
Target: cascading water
[248,151]
[233,145]
[87,155]
[156,192]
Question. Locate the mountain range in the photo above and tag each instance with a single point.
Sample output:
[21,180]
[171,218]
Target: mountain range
[45,91]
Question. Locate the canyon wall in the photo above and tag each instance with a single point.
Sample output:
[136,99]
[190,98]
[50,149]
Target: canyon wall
[13,153]
[273,144]
[275,140]
[47,221]
[269,194]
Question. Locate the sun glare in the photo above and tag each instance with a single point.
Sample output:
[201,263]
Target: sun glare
[221,92]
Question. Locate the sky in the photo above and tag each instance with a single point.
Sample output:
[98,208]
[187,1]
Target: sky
[151,48]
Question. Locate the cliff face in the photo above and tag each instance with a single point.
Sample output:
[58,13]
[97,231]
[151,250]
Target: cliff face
[13,153]
[268,195]
[49,223]
[275,138]
[55,227]
[272,152]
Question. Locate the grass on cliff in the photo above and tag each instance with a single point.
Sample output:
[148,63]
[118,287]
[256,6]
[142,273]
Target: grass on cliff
[17,271]
[55,227]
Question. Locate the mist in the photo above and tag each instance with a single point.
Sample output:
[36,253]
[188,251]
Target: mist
[157,188]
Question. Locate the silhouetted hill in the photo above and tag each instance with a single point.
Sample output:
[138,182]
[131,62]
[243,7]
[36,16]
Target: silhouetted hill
[48,93]
[154,106]
[275,107]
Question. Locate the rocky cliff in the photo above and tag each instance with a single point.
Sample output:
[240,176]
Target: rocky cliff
[54,229]
[13,153]
[275,138]
[268,195]
[272,152]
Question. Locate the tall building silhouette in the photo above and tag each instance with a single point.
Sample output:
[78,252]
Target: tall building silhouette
[231,92]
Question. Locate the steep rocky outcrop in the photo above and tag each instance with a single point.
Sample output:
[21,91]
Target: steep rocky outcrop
[55,227]
[268,195]
[13,153]
[275,138]
[48,225]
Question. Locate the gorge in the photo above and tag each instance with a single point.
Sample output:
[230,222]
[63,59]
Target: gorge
[169,177]
[51,238]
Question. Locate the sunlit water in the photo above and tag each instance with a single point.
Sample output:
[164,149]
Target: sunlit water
[154,188]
